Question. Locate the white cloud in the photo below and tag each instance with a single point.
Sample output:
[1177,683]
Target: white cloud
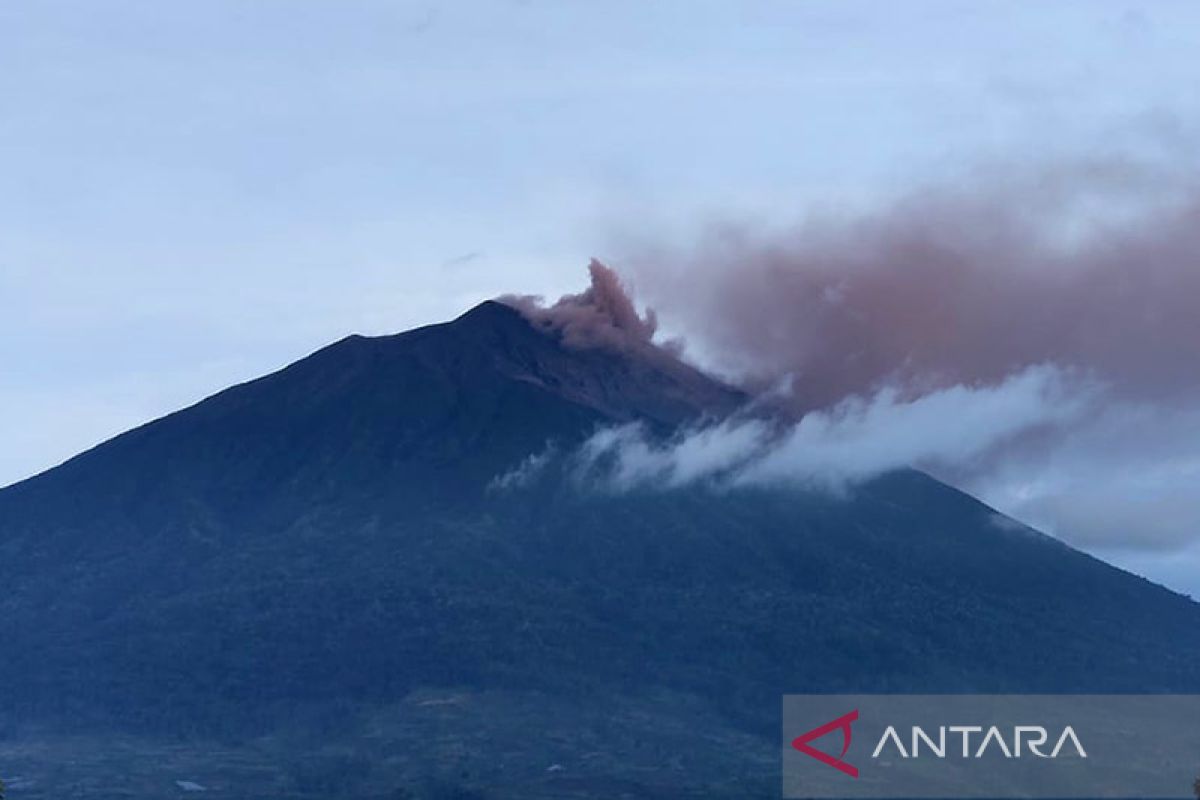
[856,440]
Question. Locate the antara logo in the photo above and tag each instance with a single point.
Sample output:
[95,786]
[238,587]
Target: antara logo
[1024,739]
[843,724]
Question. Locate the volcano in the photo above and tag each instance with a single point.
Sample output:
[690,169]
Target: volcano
[331,572]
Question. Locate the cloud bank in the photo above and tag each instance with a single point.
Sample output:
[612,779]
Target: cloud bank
[858,439]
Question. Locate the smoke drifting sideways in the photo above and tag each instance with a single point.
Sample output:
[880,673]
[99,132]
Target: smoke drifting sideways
[1031,336]
[1092,266]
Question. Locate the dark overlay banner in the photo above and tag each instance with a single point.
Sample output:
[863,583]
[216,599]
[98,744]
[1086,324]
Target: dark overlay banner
[991,746]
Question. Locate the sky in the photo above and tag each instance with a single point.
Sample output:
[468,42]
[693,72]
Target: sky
[195,193]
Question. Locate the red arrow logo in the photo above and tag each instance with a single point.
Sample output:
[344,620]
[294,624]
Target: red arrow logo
[843,724]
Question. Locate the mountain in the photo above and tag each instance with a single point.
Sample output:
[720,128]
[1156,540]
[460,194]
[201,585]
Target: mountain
[322,570]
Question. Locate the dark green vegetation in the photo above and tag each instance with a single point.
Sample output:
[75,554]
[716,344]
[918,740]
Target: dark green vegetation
[311,571]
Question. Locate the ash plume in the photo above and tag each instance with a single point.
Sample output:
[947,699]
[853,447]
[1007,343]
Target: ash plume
[1031,336]
[1094,267]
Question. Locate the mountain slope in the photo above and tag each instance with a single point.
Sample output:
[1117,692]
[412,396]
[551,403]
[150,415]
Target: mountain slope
[323,542]
[428,414]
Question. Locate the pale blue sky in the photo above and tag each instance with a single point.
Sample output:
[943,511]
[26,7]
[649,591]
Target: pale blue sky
[194,193]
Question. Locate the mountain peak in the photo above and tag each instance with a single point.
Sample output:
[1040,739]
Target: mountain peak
[618,378]
[490,312]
